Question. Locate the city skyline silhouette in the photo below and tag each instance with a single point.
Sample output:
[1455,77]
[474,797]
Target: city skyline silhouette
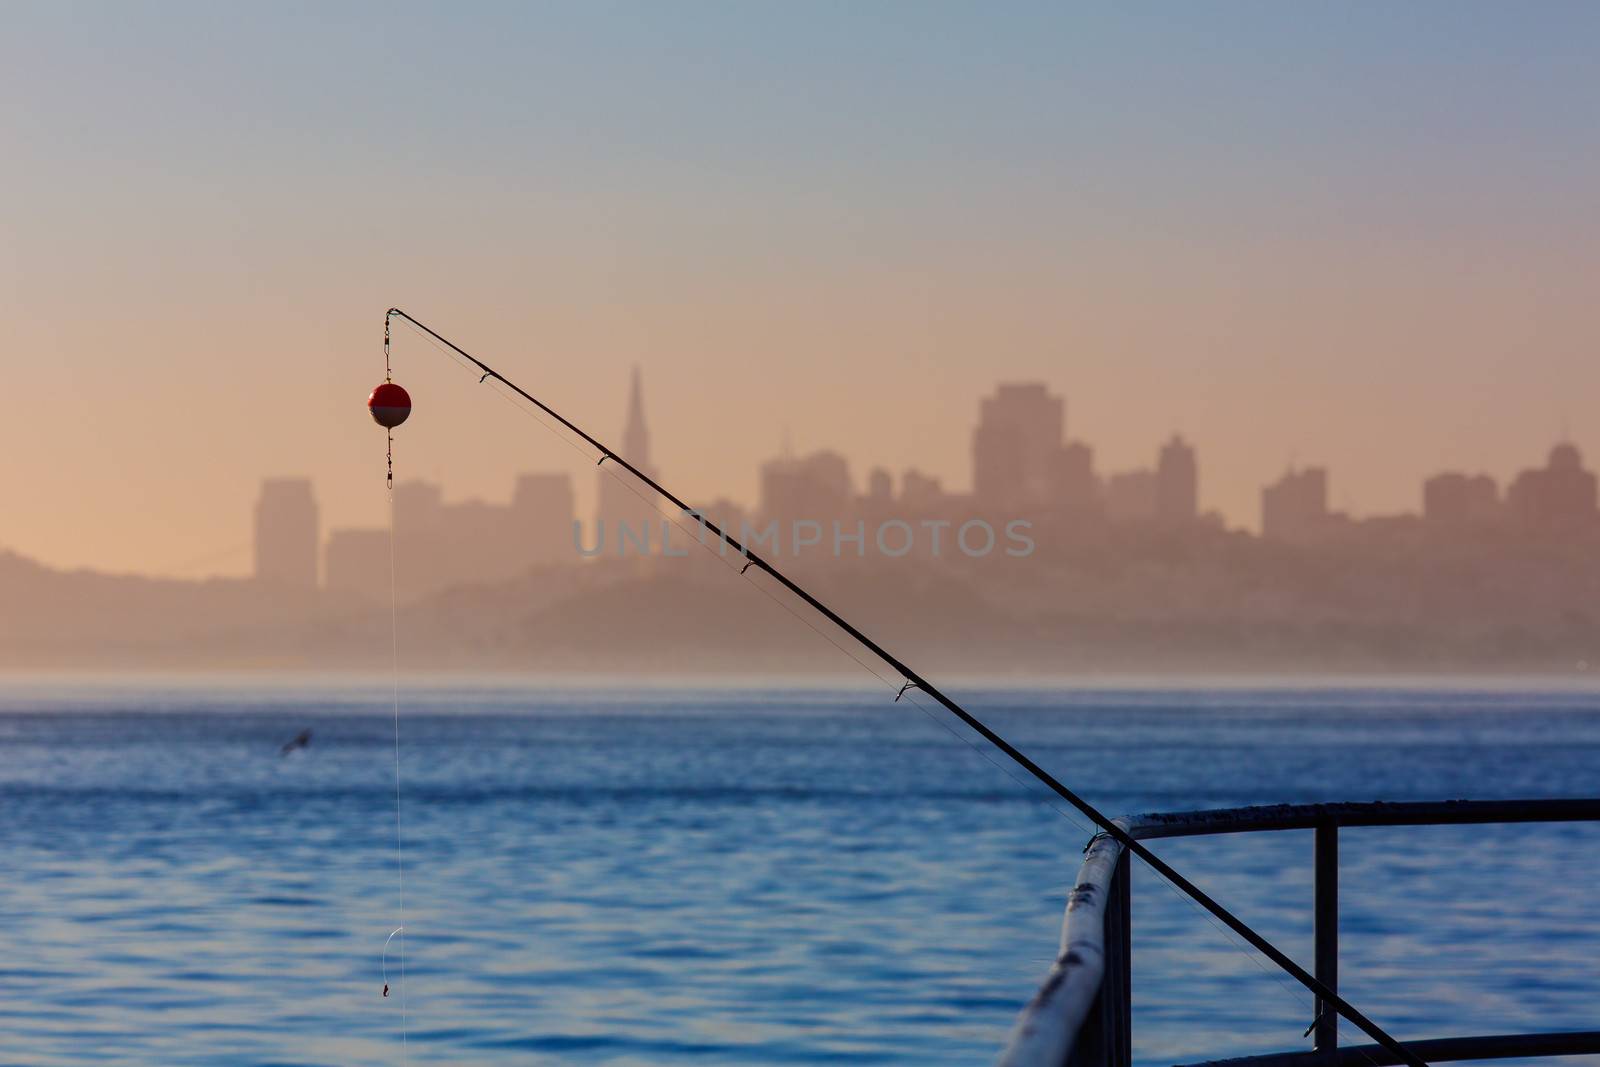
[1063,564]
[1035,465]
[1025,466]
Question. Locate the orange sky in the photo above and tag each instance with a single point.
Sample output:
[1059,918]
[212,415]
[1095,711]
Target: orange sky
[1383,267]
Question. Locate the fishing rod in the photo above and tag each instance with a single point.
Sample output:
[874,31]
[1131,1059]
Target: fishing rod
[913,680]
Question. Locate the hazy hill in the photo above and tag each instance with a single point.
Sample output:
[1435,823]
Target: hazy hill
[1224,604]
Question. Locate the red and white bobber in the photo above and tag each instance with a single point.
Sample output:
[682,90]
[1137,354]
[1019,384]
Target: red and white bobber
[390,405]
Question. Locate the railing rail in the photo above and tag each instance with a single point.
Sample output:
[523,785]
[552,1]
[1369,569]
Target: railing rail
[1082,1014]
[1055,1017]
[1435,1050]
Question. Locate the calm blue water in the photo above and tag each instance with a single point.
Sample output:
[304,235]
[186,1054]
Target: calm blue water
[744,877]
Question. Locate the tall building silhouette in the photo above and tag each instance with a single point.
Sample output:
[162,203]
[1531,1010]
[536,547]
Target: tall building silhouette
[880,487]
[624,501]
[1295,507]
[286,533]
[541,519]
[921,492]
[1560,495]
[1177,482]
[815,487]
[1016,447]
[1075,490]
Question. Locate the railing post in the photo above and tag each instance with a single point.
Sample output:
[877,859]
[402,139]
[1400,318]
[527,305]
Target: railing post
[1106,1037]
[1119,965]
[1326,931]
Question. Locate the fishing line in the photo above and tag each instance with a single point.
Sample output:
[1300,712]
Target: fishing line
[915,680]
[394,679]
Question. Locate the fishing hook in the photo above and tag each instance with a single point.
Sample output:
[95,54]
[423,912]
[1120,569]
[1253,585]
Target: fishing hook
[384,959]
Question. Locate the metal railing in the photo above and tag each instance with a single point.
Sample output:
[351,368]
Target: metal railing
[1082,1014]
